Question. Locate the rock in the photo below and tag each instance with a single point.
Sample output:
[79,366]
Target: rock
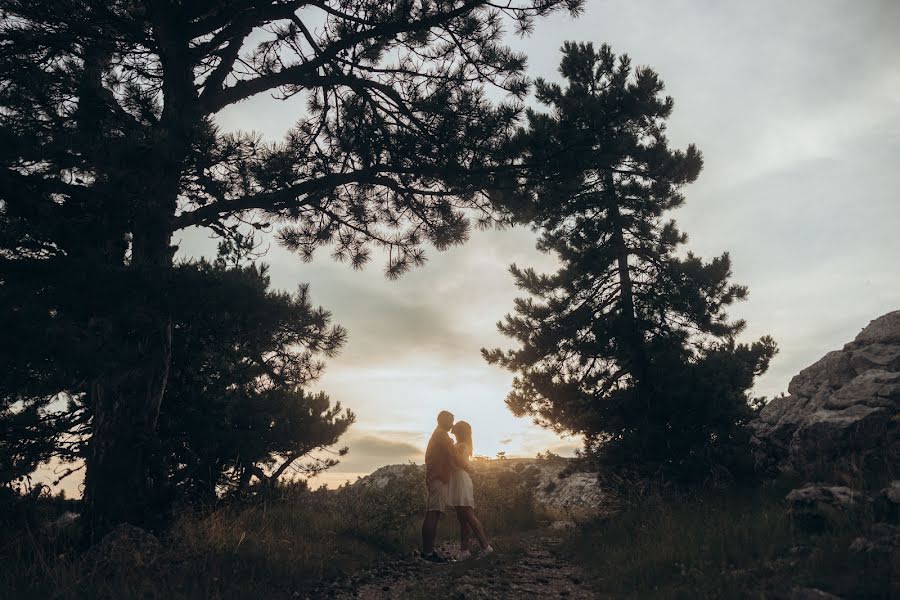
[883,330]
[881,539]
[841,413]
[875,388]
[811,594]
[578,491]
[876,356]
[817,505]
[892,492]
[390,474]
[831,440]
[63,521]
[830,372]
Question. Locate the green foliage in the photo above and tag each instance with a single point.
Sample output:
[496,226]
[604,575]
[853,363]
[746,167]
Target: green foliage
[629,343]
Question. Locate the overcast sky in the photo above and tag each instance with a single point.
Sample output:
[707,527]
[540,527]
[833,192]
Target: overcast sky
[796,107]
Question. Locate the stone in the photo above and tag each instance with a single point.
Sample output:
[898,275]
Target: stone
[817,505]
[876,387]
[883,330]
[811,594]
[876,356]
[881,539]
[892,492]
[580,492]
[830,372]
[64,520]
[840,416]
[830,440]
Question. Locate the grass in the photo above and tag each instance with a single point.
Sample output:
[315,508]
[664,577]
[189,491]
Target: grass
[288,544]
[734,544]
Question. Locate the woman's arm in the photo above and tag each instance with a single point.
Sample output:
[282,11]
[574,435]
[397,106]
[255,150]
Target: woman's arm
[460,458]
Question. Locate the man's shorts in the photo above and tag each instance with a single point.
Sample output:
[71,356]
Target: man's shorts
[438,495]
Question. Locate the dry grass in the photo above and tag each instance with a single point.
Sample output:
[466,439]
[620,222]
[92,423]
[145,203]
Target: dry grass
[287,544]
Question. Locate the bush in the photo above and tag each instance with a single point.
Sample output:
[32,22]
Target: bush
[377,514]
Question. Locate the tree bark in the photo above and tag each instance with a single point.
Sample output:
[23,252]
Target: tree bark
[632,335]
[126,405]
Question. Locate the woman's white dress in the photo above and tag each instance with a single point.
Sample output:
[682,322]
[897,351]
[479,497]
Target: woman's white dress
[461,489]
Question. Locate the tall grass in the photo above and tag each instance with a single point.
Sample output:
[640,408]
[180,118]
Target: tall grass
[733,544]
[288,543]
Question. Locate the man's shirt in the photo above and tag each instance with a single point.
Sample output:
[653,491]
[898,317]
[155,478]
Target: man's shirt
[438,457]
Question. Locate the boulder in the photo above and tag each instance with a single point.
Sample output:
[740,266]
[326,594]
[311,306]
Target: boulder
[892,492]
[578,491]
[882,538]
[800,593]
[391,474]
[817,505]
[841,414]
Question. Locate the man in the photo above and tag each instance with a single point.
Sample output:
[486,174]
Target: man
[439,464]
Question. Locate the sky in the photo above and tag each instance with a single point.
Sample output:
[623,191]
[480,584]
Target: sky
[796,108]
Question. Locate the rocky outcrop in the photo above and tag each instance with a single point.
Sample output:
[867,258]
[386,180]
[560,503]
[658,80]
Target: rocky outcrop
[577,491]
[841,413]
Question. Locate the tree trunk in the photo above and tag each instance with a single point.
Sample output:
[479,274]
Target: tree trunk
[127,396]
[632,334]
[127,399]
[126,405]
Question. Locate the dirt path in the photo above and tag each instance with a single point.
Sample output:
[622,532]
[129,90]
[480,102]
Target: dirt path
[526,567]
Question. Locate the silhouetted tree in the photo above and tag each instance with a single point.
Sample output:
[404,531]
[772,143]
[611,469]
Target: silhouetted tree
[108,146]
[236,404]
[628,343]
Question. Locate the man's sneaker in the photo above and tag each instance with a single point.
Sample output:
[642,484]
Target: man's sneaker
[486,552]
[464,555]
[436,558]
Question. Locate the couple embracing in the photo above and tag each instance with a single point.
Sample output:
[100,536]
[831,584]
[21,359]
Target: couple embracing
[450,486]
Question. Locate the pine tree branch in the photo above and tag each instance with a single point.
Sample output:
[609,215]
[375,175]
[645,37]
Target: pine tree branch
[301,74]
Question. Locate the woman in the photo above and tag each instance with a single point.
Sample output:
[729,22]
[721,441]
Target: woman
[461,494]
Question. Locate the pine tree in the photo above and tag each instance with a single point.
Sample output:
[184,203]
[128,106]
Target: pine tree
[244,357]
[237,406]
[629,343]
[108,147]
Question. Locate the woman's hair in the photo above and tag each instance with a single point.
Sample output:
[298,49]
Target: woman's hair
[463,433]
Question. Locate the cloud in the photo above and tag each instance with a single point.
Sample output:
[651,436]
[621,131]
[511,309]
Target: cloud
[800,128]
[370,451]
